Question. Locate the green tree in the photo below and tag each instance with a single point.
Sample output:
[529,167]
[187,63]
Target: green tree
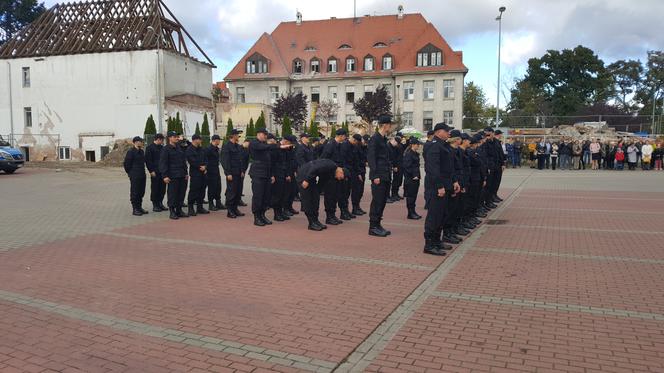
[626,76]
[16,14]
[566,80]
[277,133]
[260,122]
[205,130]
[229,128]
[150,126]
[652,86]
[179,128]
[474,106]
[305,128]
[286,127]
[198,129]
[313,128]
[333,130]
[251,130]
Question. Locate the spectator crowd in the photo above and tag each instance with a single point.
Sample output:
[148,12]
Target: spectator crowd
[631,154]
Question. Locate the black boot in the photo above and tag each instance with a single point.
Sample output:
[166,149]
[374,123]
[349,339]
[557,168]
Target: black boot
[356,211]
[242,204]
[156,207]
[286,212]
[212,207]
[384,230]
[220,206]
[191,211]
[136,211]
[231,214]
[173,214]
[320,224]
[278,216]
[293,211]
[376,230]
[345,215]
[265,219]
[431,248]
[237,212]
[362,212]
[162,207]
[181,213]
[258,220]
[332,220]
[313,226]
[201,210]
[412,215]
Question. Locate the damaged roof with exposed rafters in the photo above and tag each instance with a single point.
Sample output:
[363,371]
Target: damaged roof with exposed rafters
[102,26]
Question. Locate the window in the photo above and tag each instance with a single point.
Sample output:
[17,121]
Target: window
[332,94]
[368,63]
[297,90]
[27,116]
[429,56]
[64,152]
[344,46]
[387,62]
[408,90]
[448,88]
[380,44]
[407,118]
[240,95]
[350,64]
[26,77]
[298,66]
[429,88]
[427,121]
[448,117]
[350,94]
[315,66]
[315,94]
[332,65]
[368,89]
[274,94]
[256,64]
[350,118]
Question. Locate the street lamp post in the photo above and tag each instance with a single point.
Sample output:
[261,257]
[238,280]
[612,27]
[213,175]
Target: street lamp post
[500,30]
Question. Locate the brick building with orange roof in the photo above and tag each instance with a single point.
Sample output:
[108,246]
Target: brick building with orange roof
[340,59]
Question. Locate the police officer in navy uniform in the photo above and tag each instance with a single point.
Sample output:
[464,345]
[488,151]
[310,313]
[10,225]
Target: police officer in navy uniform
[477,179]
[438,185]
[396,157]
[358,173]
[261,175]
[380,169]
[493,162]
[279,166]
[173,168]
[334,191]
[213,176]
[303,151]
[134,165]
[466,198]
[245,167]
[411,176]
[232,161]
[452,226]
[157,186]
[501,165]
[311,178]
[197,171]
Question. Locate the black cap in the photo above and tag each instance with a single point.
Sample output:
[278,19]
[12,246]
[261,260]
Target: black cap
[414,141]
[499,132]
[455,133]
[488,129]
[290,138]
[366,137]
[384,119]
[216,137]
[320,135]
[172,134]
[304,134]
[465,136]
[341,132]
[262,130]
[137,138]
[314,139]
[397,138]
[475,139]
[159,136]
[442,126]
[270,136]
[357,137]
[235,131]
[430,132]
[196,137]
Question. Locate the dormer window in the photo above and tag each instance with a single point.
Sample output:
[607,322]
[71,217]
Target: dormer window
[344,46]
[380,44]
[315,65]
[256,64]
[298,66]
[429,56]
[332,65]
[387,62]
[350,64]
[309,49]
[368,63]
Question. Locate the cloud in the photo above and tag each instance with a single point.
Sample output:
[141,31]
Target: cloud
[517,48]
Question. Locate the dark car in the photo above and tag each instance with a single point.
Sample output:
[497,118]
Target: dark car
[11,159]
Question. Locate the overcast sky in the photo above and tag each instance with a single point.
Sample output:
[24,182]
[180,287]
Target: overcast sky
[615,29]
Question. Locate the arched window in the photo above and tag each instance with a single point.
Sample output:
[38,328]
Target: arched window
[388,62]
[369,63]
[344,46]
[298,66]
[380,44]
[314,65]
[350,63]
[332,65]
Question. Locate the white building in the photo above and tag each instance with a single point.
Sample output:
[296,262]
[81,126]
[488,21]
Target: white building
[86,74]
[341,59]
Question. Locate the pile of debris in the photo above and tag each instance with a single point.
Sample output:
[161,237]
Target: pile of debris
[116,156]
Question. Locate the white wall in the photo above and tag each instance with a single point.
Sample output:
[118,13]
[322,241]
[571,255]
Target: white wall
[183,75]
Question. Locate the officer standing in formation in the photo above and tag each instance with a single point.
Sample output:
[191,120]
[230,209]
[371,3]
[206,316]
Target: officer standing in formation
[411,176]
[213,176]
[396,157]
[157,186]
[173,169]
[197,172]
[380,168]
[335,191]
[233,163]
[134,165]
[358,173]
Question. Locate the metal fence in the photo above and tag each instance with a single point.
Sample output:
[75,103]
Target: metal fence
[627,123]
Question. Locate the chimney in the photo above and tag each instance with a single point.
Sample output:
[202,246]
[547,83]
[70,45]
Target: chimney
[298,18]
[400,12]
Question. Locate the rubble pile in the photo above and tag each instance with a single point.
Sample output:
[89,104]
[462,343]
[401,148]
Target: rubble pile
[116,156]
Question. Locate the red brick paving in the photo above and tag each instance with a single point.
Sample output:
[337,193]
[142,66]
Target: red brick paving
[635,206]
[585,219]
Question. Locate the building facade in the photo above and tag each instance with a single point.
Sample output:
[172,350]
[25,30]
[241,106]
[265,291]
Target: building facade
[73,102]
[342,59]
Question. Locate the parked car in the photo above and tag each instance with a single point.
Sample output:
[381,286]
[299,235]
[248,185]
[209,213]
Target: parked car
[11,159]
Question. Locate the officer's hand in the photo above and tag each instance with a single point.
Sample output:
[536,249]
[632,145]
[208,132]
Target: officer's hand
[416,178]
[305,184]
[395,169]
[376,181]
[167,180]
[457,188]
[359,177]
[441,192]
[484,184]
[272,180]
[202,168]
[288,178]
[153,174]
[242,174]
[229,177]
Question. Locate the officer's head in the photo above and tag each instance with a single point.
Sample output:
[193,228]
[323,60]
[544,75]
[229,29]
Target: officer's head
[385,124]
[414,143]
[488,133]
[216,140]
[159,139]
[271,139]
[304,138]
[442,131]
[138,142]
[234,136]
[355,139]
[339,174]
[196,140]
[465,140]
[173,137]
[261,134]
[498,134]
[340,135]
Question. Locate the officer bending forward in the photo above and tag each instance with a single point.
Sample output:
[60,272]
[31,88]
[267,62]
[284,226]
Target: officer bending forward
[312,177]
